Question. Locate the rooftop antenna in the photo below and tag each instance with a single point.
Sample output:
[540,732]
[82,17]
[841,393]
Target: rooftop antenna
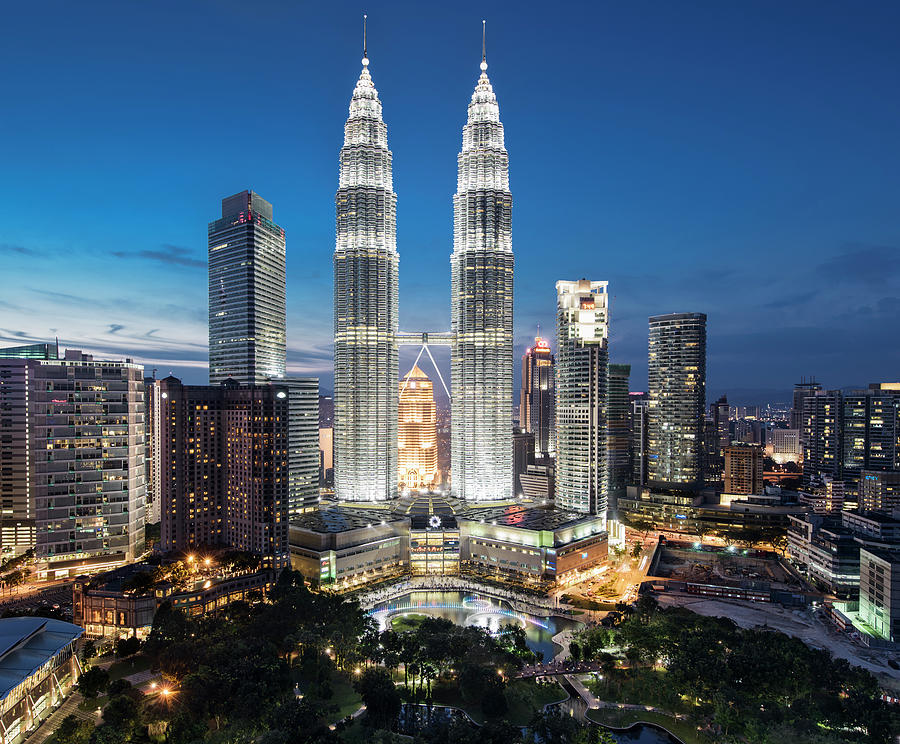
[483,47]
[365,59]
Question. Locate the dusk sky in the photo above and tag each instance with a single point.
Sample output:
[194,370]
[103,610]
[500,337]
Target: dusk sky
[741,160]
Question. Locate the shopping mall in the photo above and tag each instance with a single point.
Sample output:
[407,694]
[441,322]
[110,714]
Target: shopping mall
[347,546]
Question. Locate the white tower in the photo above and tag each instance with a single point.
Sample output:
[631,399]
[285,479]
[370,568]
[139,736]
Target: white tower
[366,361]
[482,306]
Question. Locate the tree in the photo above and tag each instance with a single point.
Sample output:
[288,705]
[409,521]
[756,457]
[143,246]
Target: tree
[139,583]
[636,549]
[127,646]
[380,696]
[73,730]
[92,682]
[575,650]
[121,713]
[88,650]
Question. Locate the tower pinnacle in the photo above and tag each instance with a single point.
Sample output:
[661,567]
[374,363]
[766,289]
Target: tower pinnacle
[483,47]
[365,59]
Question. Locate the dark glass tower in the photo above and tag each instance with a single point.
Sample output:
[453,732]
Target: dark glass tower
[537,404]
[246,292]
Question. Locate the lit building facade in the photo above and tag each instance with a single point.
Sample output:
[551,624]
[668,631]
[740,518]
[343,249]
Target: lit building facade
[537,404]
[303,443]
[879,490]
[820,434]
[225,464]
[879,592]
[677,378]
[246,292]
[482,307]
[870,434]
[366,358]
[417,433]
[743,469]
[582,337]
[87,462]
[640,403]
[151,436]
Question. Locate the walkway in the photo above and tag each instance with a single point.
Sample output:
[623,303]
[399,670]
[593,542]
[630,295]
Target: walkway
[49,725]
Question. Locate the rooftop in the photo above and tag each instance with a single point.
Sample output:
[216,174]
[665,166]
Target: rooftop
[522,517]
[342,519]
[27,643]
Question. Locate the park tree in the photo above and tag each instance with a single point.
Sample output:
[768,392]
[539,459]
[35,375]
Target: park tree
[88,650]
[74,730]
[93,681]
[380,696]
[126,647]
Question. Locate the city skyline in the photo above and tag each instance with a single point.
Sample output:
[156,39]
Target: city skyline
[790,240]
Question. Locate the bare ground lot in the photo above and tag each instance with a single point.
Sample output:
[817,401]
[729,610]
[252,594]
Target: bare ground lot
[809,627]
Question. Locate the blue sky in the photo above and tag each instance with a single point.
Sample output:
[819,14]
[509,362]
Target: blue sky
[737,159]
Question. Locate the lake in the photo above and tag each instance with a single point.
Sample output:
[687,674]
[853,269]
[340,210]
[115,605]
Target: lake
[471,608]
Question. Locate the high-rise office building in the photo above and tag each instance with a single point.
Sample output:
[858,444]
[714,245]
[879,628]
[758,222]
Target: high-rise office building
[677,377]
[582,337]
[879,490]
[870,434]
[73,460]
[801,390]
[638,425]
[246,292]
[224,458]
[303,443]
[720,414]
[820,434]
[619,430]
[537,400]
[366,359]
[743,469]
[523,457]
[417,433]
[151,438]
[482,307]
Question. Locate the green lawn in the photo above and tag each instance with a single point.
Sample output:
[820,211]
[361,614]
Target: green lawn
[408,621]
[345,697]
[127,667]
[640,687]
[683,728]
[91,705]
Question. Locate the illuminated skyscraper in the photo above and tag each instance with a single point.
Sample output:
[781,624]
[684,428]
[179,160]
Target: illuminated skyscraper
[482,306]
[417,439]
[246,292]
[677,376]
[582,359]
[537,405]
[365,306]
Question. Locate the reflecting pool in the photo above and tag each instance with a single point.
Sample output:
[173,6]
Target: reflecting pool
[471,608]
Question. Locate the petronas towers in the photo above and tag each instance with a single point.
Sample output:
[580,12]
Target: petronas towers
[366,303]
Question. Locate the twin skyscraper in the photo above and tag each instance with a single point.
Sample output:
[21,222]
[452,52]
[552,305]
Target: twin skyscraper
[366,304]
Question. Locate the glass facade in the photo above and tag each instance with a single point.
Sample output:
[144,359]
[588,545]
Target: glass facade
[366,359]
[537,405]
[582,358]
[677,377]
[482,307]
[246,292]
[417,440]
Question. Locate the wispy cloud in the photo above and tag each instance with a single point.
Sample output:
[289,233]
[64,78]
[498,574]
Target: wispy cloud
[862,263]
[167,254]
[115,328]
[20,249]
[791,300]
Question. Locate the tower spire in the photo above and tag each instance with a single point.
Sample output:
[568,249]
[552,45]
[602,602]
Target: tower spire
[365,59]
[483,45]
